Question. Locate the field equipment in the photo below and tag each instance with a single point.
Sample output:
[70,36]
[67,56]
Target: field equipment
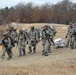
[59,43]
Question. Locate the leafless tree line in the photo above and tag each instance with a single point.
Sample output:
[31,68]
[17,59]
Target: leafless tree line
[61,12]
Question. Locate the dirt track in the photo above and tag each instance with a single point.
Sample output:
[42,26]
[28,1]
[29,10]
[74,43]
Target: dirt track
[60,62]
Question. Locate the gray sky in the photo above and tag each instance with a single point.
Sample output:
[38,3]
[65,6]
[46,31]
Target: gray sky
[9,3]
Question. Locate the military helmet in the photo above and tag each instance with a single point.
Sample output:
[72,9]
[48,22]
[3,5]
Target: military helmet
[32,27]
[11,27]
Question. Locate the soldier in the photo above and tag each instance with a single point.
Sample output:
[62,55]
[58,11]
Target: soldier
[53,30]
[46,40]
[13,35]
[12,32]
[22,43]
[38,33]
[69,35]
[25,32]
[74,36]
[6,41]
[33,36]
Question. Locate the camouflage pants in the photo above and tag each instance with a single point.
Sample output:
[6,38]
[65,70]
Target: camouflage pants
[73,43]
[69,40]
[32,44]
[21,50]
[46,46]
[9,52]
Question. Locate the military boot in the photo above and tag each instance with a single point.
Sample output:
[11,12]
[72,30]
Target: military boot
[45,53]
[9,58]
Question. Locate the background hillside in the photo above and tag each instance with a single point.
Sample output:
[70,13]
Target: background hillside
[62,12]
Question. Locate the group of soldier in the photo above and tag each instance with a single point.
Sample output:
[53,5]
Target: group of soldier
[12,38]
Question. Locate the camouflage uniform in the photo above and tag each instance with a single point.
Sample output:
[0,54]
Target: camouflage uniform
[53,33]
[22,42]
[38,34]
[15,34]
[73,36]
[26,33]
[12,35]
[33,36]
[70,36]
[6,41]
[46,41]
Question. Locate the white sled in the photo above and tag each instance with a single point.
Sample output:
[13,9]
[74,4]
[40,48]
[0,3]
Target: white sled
[59,43]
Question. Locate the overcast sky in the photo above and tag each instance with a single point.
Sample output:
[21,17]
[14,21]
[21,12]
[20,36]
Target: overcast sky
[10,3]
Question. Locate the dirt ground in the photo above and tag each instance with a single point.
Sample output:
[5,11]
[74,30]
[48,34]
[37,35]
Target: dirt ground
[61,61]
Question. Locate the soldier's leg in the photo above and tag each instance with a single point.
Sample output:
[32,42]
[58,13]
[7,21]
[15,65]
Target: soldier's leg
[3,52]
[43,44]
[30,47]
[34,48]
[9,53]
[72,43]
[24,52]
[20,52]
[75,43]
[43,49]
[30,50]
[67,43]
[11,50]
[49,48]
[46,48]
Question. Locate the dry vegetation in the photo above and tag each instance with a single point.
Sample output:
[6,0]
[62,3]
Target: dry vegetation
[60,62]
[62,12]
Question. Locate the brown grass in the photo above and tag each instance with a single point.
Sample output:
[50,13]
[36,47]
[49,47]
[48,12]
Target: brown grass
[60,62]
